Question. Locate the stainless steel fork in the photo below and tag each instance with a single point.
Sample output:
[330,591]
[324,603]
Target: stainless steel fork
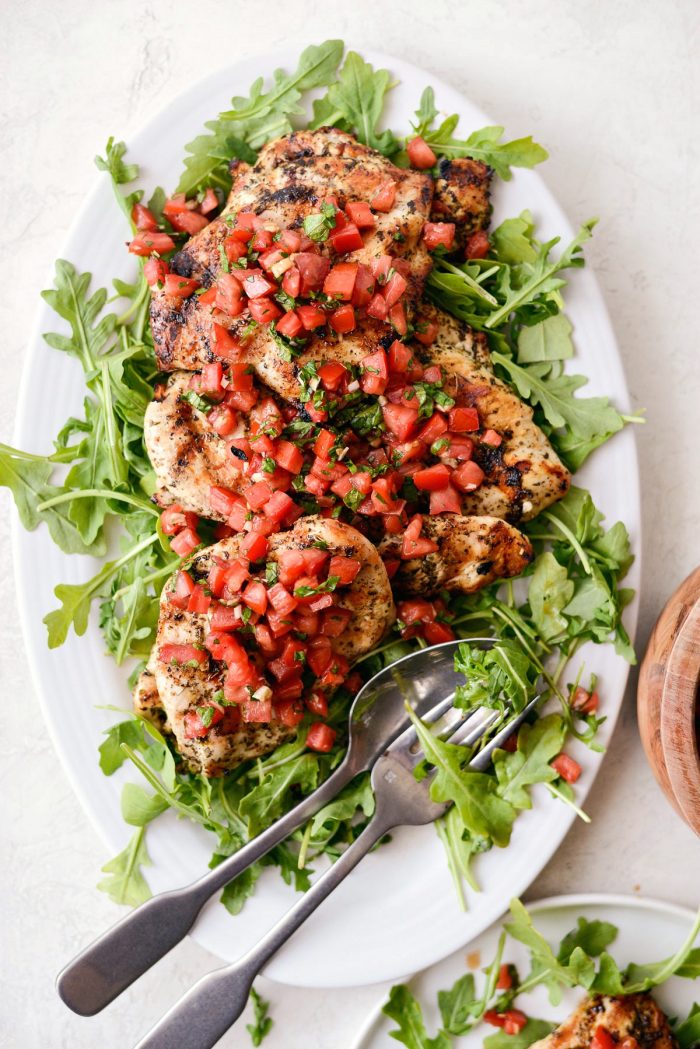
[209,1008]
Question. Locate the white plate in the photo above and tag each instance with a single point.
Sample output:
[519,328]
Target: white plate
[383,934]
[649,930]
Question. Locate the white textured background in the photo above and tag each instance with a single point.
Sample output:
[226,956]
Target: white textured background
[611,88]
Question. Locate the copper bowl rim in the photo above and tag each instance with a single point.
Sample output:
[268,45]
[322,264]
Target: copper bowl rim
[678,730]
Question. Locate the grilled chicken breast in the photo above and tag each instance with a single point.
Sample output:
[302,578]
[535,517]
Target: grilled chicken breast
[291,177]
[472,552]
[524,474]
[630,1016]
[188,456]
[181,688]
[462,190]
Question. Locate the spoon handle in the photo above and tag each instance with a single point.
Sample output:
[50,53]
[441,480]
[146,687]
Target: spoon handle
[141,938]
[216,1001]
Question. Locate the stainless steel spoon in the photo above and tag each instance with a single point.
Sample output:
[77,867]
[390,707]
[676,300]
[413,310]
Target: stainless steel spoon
[377,717]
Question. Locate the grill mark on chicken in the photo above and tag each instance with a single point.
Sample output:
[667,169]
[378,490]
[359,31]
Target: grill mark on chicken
[634,1015]
[462,196]
[183,688]
[472,552]
[188,456]
[289,178]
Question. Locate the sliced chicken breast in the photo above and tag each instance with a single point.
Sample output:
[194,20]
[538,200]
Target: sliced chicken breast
[524,474]
[462,190]
[184,687]
[634,1016]
[472,552]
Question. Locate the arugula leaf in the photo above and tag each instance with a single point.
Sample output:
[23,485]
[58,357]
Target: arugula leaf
[538,744]
[531,1032]
[270,799]
[475,794]
[357,97]
[685,962]
[357,795]
[550,592]
[112,755]
[591,936]
[550,340]
[139,807]
[27,477]
[120,173]
[513,241]
[405,1011]
[688,1032]
[124,882]
[263,1023]
[503,673]
[90,331]
[459,1005]
[252,121]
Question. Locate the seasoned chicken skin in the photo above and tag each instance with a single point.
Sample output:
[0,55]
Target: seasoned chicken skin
[630,1016]
[187,455]
[462,189]
[524,474]
[472,552]
[290,179]
[182,688]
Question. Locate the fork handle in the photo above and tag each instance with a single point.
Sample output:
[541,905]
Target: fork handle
[126,951]
[216,1001]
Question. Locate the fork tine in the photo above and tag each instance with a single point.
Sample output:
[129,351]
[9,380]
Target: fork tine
[482,760]
[469,733]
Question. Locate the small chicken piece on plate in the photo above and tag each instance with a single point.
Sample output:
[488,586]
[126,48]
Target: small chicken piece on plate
[462,189]
[188,677]
[471,553]
[634,1021]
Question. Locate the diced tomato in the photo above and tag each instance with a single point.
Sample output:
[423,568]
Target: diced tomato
[240,669]
[359,213]
[323,444]
[383,500]
[420,154]
[264,639]
[229,296]
[321,737]
[290,712]
[567,768]
[311,316]
[184,586]
[210,202]
[224,344]
[394,289]
[400,356]
[343,320]
[340,282]
[261,240]
[346,239]
[491,438]
[143,218]
[426,332]
[278,506]
[263,311]
[477,246]
[185,542]
[313,269]
[438,633]
[317,704]
[468,476]
[463,420]
[435,427]
[194,726]
[257,494]
[189,222]
[288,456]
[505,978]
[364,286]
[398,320]
[437,234]
[291,282]
[515,1020]
[375,372]
[223,420]
[292,566]
[155,271]
[378,308]
[257,711]
[385,197]
[179,287]
[583,702]
[290,240]
[335,620]
[245,225]
[290,325]
[199,601]
[255,284]
[173,519]
[400,420]
[222,500]
[416,610]
[279,625]
[432,479]
[414,544]
[182,654]
[211,380]
[281,600]
[445,501]
[254,546]
[234,249]
[602,1039]
[146,243]
[319,655]
[346,568]
[332,374]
